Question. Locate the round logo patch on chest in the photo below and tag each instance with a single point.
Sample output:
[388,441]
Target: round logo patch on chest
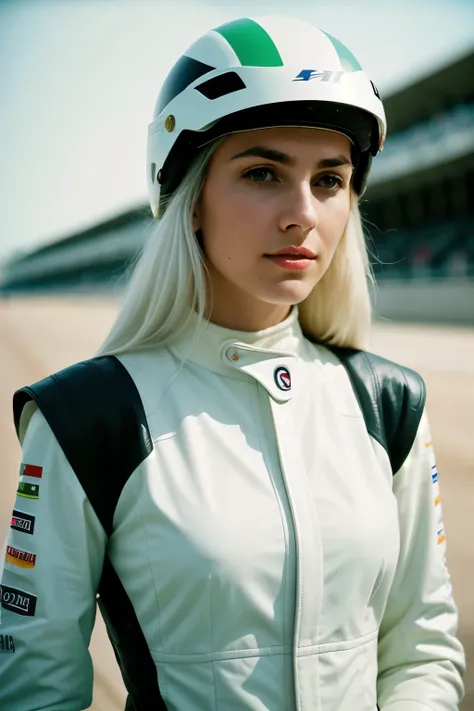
[282,378]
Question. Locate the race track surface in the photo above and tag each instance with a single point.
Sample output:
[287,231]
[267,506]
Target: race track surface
[39,336]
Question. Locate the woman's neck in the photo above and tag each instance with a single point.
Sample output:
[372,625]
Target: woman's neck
[239,311]
[238,318]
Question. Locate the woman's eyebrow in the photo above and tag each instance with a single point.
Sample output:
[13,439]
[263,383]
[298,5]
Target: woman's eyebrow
[285,159]
[268,153]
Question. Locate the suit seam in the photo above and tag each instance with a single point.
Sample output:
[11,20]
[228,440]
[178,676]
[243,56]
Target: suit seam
[376,435]
[151,573]
[406,429]
[410,701]
[312,650]
[163,690]
[209,657]
[212,644]
[376,382]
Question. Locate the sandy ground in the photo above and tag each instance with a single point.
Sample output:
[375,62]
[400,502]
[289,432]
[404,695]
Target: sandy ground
[40,336]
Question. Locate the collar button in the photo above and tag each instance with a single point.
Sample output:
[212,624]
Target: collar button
[232,354]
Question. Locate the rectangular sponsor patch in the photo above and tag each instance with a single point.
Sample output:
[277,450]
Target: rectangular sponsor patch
[29,491]
[23,559]
[22,521]
[31,470]
[7,644]
[18,601]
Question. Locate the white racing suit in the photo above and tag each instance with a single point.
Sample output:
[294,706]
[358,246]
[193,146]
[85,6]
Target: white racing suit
[271,558]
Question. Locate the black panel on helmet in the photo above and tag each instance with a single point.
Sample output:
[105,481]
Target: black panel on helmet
[184,72]
[222,85]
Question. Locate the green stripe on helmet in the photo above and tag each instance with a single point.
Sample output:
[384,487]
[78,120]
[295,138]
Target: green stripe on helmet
[348,61]
[252,44]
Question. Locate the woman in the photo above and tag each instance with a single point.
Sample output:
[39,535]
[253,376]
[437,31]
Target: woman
[265,554]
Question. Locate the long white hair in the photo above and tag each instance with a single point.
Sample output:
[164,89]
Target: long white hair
[169,280]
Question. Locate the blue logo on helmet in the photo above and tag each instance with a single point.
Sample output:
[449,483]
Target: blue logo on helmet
[322,74]
[307,74]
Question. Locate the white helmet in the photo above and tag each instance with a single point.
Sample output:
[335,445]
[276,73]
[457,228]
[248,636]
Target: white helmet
[260,73]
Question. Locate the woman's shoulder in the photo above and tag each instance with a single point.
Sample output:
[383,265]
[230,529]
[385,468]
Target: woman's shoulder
[94,384]
[362,358]
[390,396]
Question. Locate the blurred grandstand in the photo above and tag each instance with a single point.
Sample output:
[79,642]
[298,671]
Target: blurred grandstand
[418,210]
[421,198]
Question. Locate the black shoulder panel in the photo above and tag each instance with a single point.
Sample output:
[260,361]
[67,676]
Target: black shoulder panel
[97,416]
[392,398]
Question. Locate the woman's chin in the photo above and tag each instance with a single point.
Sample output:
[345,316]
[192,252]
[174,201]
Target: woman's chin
[290,293]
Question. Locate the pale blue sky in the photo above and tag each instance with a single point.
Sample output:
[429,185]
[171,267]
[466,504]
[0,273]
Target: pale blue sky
[79,80]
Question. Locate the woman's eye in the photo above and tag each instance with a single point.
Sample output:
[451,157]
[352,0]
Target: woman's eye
[260,175]
[330,182]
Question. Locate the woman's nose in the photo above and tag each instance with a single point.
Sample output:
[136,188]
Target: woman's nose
[300,209]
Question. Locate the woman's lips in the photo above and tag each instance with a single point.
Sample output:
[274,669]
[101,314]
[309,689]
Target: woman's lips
[291,261]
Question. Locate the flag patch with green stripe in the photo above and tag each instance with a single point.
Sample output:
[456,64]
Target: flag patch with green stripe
[29,491]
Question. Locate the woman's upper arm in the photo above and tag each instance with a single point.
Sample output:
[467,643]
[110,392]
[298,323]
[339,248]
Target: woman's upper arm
[420,659]
[51,567]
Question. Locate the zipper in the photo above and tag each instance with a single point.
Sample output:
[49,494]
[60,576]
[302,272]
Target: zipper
[299,505]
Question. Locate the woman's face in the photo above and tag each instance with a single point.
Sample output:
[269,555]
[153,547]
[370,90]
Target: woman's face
[269,191]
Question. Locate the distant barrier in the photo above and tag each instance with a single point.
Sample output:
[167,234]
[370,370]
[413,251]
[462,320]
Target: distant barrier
[446,301]
[437,301]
